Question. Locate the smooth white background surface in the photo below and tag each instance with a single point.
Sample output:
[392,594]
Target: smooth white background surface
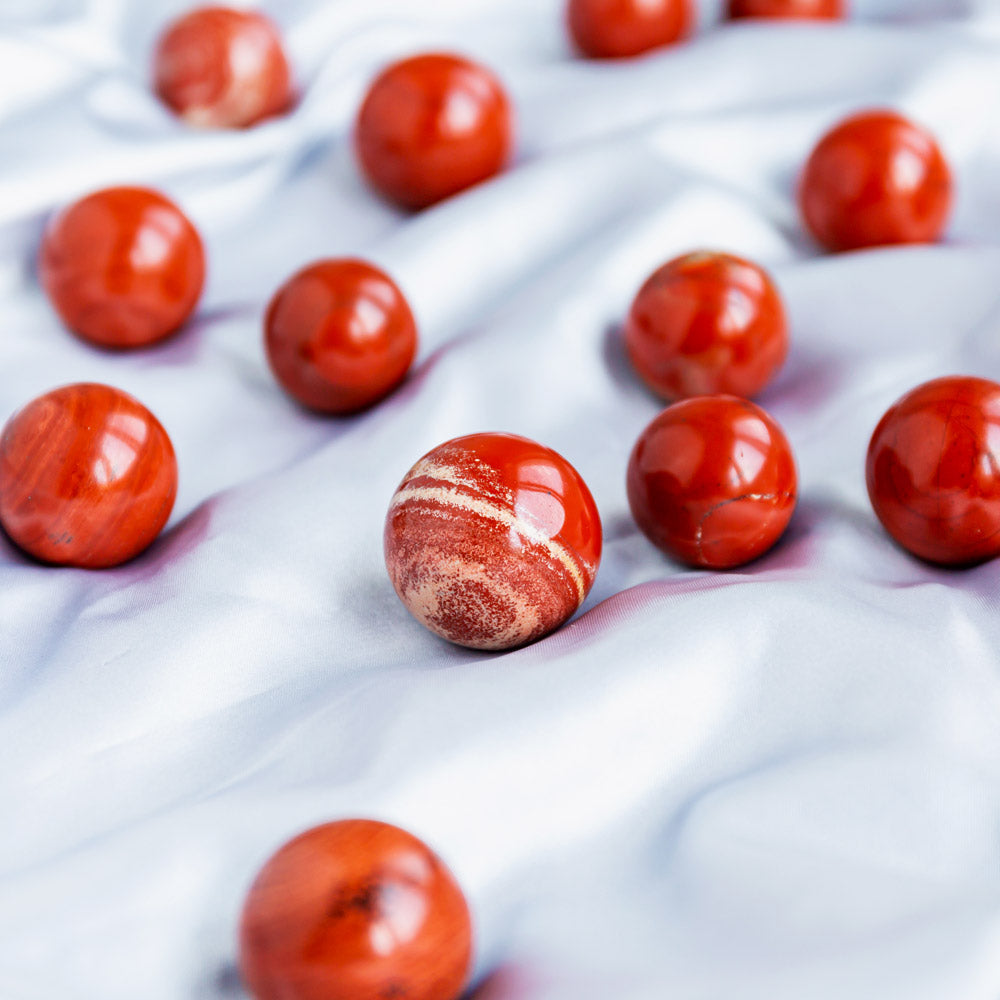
[781,783]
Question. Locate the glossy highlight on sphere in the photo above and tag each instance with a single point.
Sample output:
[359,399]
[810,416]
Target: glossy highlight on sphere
[876,179]
[492,541]
[222,68]
[340,335]
[87,476]
[616,29]
[707,323]
[712,482]
[355,910]
[431,126]
[123,267]
[933,470]
[819,10]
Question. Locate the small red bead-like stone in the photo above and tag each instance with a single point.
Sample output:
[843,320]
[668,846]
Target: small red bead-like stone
[431,126]
[819,10]
[707,323]
[933,470]
[355,910]
[123,267]
[492,540]
[875,179]
[87,476]
[223,68]
[615,29]
[712,481]
[339,335]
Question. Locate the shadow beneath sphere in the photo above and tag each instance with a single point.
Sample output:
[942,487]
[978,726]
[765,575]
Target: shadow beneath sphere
[617,363]
[506,983]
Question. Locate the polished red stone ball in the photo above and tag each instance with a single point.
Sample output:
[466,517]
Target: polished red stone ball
[875,179]
[492,540]
[707,323]
[339,335]
[615,29]
[819,10]
[712,482]
[223,68]
[123,267]
[933,470]
[87,476]
[431,126]
[355,910]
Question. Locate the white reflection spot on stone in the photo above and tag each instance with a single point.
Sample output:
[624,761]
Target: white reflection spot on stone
[907,169]
[119,448]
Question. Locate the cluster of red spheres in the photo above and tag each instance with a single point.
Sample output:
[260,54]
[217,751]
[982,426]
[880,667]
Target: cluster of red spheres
[355,910]
[491,540]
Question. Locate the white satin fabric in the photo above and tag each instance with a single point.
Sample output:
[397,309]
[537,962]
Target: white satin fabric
[778,783]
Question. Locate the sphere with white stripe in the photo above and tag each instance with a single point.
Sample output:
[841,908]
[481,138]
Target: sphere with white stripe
[492,541]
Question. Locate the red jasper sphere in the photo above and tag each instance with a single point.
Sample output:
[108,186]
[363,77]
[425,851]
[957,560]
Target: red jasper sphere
[222,68]
[492,540]
[707,323]
[819,10]
[123,267]
[339,335]
[712,481]
[933,470]
[614,29]
[87,476]
[875,179]
[355,910]
[431,126]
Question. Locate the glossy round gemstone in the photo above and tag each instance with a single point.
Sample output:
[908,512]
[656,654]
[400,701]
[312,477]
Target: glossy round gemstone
[123,267]
[820,10]
[875,179]
[218,67]
[339,335]
[933,470]
[492,540]
[87,476]
[712,481]
[355,910]
[707,323]
[614,29]
[431,126]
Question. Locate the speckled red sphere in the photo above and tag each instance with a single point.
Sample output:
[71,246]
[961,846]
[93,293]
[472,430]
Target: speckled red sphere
[87,476]
[339,335]
[431,126]
[355,910]
[876,179]
[222,68]
[707,323]
[123,267]
[807,10]
[492,540]
[933,470]
[712,482]
[615,29]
